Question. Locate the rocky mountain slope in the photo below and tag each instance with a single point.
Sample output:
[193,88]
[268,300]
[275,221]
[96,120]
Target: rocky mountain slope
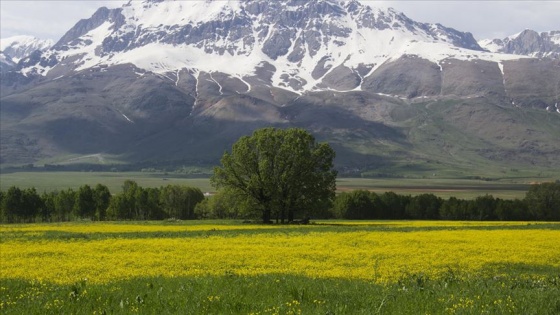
[528,43]
[15,48]
[182,80]
[20,47]
[6,63]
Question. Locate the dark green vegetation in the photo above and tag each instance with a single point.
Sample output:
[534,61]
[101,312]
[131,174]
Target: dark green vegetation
[287,294]
[135,202]
[541,202]
[281,172]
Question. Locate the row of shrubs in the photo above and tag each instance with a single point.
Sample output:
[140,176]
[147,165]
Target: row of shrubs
[542,202]
[97,203]
[367,205]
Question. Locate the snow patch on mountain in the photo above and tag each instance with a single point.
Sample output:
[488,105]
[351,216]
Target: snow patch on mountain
[19,47]
[89,52]
[155,14]
[555,37]
[492,45]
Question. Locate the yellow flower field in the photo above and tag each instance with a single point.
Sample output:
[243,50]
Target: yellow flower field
[382,256]
[113,228]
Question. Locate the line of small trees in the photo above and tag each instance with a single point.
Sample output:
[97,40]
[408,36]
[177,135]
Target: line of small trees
[542,202]
[97,203]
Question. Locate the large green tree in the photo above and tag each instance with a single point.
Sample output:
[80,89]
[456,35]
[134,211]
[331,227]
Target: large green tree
[284,171]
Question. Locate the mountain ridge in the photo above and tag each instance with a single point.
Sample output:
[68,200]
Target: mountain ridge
[528,43]
[20,47]
[15,48]
[268,41]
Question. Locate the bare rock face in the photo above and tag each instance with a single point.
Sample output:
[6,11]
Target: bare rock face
[83,26]
[278,44]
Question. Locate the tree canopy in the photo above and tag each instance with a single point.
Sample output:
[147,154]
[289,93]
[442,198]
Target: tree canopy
[545,201]
[283,171]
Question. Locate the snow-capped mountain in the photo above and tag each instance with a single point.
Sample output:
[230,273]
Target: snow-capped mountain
[19,47]
[528,43]
[182,80]
[309,44]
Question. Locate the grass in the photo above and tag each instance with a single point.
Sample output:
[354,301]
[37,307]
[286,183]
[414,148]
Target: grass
[286,294]
[455,139]
[508,188]
[442,187]
[50,181]
[482,139]
[206,267]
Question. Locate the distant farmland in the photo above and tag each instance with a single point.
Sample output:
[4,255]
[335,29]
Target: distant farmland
[461,188]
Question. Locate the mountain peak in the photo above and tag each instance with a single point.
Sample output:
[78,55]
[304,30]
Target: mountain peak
[527,42]
[21,46]
[303,41]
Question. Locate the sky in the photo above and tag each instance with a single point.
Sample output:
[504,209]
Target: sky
[47,19]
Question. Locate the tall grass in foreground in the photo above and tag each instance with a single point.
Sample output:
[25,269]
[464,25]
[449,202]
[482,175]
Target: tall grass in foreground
[286,294]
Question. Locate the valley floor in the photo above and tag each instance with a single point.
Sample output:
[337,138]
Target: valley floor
[506,188]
